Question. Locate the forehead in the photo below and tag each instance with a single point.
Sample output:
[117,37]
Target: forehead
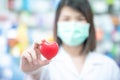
[68,11]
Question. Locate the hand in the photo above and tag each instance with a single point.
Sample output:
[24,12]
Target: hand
[31,60]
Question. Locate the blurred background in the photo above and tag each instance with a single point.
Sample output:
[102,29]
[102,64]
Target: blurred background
[24,21]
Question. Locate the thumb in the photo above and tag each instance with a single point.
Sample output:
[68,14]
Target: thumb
[44,62]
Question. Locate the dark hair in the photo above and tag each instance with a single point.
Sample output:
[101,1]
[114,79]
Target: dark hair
[83,7]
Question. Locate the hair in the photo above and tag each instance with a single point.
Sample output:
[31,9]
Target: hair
[83,7]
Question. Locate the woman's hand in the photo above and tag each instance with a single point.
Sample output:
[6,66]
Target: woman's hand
[31,60]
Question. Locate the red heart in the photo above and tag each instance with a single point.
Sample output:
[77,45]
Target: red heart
[48,50]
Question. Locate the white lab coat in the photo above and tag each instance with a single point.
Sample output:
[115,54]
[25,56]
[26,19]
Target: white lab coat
[96,67]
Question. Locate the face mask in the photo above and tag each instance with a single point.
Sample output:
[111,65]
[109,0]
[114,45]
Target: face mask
[73,33]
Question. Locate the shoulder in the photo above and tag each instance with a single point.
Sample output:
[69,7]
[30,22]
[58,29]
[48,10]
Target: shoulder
[99,65]
[100,58]
[103,64]
[103,61]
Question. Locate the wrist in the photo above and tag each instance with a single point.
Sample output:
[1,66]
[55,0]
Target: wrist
[34,75]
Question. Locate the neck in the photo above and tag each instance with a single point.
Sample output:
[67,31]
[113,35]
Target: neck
[75,51]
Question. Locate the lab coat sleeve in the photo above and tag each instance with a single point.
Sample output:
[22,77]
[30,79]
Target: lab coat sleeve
[44,74]
[108,71]
[115,72]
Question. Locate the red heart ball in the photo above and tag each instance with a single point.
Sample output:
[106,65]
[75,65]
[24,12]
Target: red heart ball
[49,50]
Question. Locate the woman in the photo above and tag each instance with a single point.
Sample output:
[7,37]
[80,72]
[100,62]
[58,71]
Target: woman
[76,60]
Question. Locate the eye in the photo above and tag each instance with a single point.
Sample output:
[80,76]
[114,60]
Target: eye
[65,19]
[81,18]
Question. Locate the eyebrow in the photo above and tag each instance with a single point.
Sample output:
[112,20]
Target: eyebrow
[69,15]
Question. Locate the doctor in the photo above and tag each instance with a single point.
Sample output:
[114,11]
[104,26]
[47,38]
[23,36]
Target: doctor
[76,60]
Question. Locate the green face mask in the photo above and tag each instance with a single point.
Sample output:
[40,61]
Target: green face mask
[73,33]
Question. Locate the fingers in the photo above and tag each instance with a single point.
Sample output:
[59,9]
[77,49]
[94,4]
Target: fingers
[30,55]
[44,62]
[37,51]
[27,63]
[33,55]
[27,57]
[38,42]
[36,47]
